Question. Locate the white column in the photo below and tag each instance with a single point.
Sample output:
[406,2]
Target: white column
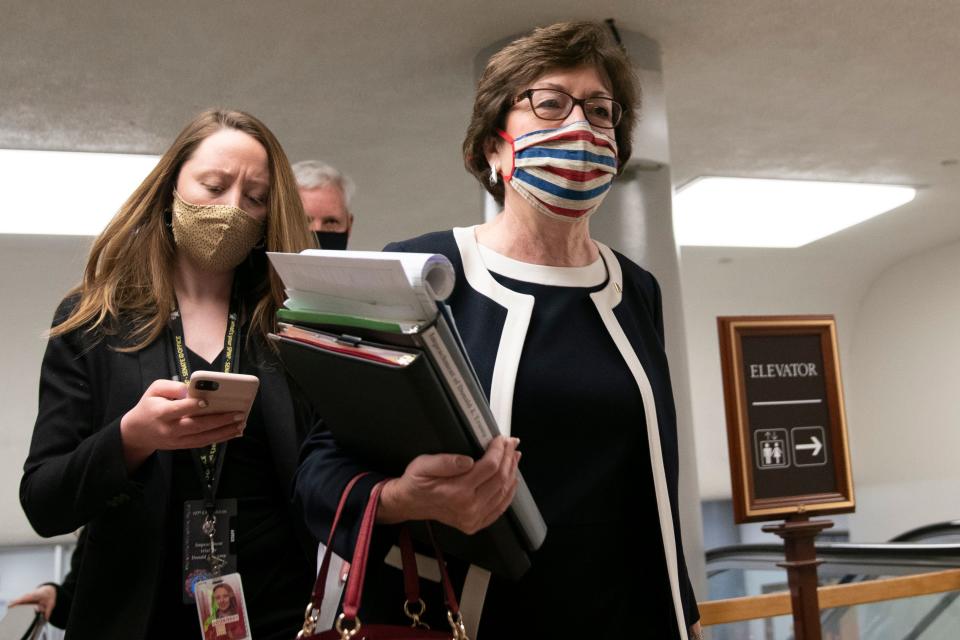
[637,220]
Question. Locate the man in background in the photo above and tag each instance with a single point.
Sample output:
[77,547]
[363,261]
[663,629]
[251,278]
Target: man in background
[326,194]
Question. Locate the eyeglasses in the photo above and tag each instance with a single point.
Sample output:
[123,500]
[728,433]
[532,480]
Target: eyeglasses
[553,104]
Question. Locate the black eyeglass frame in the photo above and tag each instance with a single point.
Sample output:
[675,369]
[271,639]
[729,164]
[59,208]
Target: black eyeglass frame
[582,102]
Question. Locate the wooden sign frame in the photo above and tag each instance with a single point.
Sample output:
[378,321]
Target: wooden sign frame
[740,435]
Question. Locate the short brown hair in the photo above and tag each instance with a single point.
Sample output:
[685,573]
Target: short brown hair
[565,45]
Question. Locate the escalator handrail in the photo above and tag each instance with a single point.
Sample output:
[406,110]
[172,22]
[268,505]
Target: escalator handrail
[934,530]
[901,554]
[904,550]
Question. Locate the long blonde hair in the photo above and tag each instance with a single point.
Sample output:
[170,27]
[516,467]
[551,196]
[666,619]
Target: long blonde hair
[129,272]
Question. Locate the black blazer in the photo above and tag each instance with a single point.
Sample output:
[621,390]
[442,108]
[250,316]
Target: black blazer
[481,322]
[75,475]
[66,589]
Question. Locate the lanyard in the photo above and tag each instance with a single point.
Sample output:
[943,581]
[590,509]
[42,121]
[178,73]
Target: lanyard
[208,461]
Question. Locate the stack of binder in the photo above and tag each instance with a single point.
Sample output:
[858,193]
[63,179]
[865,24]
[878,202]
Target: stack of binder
[367,336]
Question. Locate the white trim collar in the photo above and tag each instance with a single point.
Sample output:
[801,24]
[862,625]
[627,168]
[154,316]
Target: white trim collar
[612,294]
[519,308]
[589,276]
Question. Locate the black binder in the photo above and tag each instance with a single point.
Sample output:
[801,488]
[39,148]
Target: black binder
[387,414]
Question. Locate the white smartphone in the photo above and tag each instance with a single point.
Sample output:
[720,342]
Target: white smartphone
[224,392]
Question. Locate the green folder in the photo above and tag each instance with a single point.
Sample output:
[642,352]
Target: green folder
[294,316]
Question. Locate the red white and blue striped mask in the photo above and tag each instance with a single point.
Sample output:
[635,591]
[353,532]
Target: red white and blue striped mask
[564,173]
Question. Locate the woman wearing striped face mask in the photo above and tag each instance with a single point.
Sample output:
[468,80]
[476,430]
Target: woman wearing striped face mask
[567,339]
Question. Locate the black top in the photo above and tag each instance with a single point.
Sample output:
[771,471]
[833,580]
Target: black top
[572,375]
[276,580]
[76,476]
[579,416]
[616,585]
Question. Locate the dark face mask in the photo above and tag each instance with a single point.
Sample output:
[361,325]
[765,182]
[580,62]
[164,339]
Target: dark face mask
[332,239]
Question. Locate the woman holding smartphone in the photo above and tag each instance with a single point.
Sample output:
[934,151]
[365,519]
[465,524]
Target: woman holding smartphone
[177,282]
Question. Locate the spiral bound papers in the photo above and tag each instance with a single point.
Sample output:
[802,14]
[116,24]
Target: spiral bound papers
[345,351]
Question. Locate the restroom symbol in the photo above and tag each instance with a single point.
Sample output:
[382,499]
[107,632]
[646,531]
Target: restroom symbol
[771,449]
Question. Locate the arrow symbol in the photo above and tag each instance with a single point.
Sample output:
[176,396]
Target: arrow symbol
[815,445]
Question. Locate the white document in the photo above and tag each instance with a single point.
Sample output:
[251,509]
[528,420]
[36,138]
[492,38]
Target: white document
[333,589]
[19,621]
[402,287]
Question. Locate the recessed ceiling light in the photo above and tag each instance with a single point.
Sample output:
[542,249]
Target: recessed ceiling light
[65,192]
[745,212]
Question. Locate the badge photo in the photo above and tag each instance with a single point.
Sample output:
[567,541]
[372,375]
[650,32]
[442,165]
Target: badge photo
[222,609]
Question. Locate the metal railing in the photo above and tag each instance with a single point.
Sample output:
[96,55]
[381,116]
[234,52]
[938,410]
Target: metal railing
[910,568]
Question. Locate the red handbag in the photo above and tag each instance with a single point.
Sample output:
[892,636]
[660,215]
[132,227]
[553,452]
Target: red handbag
[347,624]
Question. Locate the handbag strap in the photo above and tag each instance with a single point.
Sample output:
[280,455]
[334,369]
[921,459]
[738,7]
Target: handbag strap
[408,560]
[453,607]
[321,583]
[358,569]
[361,553]
[411,581]
[448,595]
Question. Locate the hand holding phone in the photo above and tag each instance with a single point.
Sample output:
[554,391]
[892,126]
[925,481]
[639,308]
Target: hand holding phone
[170,415]
[223,392]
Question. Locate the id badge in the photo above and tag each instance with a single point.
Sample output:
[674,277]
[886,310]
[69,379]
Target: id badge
[222,608]
[207,543]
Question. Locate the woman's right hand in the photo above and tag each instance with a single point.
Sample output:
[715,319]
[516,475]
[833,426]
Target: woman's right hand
[43,598]
[163,420]
[455,490]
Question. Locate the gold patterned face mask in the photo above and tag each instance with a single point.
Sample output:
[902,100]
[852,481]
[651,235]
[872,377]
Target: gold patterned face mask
[217,237]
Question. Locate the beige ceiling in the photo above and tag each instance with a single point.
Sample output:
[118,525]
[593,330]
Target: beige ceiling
[851,89]
[863,90]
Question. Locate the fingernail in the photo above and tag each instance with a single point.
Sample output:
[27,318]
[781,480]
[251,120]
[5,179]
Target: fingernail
[463,462]
[238,417]
[202,404]
[516,441]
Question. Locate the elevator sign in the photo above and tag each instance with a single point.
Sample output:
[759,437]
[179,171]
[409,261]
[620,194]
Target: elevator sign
[786,430]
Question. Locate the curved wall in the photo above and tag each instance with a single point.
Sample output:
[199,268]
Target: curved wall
[903,396]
